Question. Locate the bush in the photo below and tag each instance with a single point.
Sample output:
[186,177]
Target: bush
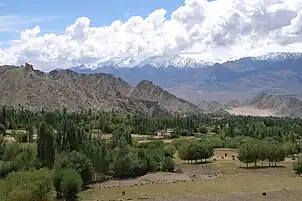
[298,166]
[177,143]
[78,162]
[6,168]
[127,163]
[203,130]
[29,186]
[167,165]
[67,183]
[11,151]
[57,179]
[169,150]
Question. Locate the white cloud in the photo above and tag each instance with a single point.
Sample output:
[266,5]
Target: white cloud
[215,30]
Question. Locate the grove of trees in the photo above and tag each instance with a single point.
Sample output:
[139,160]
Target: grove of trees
[67,150]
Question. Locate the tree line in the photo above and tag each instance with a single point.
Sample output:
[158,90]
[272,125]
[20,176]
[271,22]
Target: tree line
[282,129]
[65,146]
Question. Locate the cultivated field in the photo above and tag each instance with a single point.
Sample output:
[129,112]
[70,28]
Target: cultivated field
[219,180]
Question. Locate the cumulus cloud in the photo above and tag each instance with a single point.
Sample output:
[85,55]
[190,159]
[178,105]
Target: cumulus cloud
[215,31]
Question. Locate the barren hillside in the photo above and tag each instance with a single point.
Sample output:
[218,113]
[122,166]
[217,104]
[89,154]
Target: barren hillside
[24,86]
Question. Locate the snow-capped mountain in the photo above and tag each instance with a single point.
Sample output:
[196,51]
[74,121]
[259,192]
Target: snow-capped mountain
[117,62]
[179,61]
[186,76]
[279,56]
[173,61]
[176,61]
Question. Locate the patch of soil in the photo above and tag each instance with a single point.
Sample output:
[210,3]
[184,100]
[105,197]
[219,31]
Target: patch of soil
[153,178]
[278,195]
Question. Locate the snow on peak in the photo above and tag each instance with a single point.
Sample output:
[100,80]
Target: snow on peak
[155,61]
[178,61]
[279,56]
[175,61]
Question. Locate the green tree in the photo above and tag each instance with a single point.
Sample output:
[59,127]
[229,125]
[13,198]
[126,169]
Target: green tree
[167,164]
[78,162]
[248,153]
[11,151]
[127,163]
[30,132]
[46,145]
[67,183]
[290,148]
[169,150]
[298,167]
[121,136]
[2,130]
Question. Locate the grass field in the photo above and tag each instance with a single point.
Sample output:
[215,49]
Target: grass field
[234,184]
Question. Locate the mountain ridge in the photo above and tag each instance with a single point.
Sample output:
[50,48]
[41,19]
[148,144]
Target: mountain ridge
[238,79]
[65,88]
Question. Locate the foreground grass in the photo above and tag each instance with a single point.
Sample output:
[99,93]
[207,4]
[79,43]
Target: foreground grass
[234,180]
[223,184]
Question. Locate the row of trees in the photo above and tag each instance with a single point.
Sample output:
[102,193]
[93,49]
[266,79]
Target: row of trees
[283,129]
[195,150]
[254,151]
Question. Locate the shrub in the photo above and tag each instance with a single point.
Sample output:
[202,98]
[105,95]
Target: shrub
[6,168]
[203,130]
[29,186]
[67,183]
[298,166]
[11,151]
[169,150]
[78,162]
[128,164]
[167,165]
[57,179]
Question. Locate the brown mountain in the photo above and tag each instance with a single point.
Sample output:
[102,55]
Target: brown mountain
[283,105]
[32,89]
[265,104]
[146,90]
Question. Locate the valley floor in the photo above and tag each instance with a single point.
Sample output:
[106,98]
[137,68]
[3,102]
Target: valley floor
[220,180]
[251,111]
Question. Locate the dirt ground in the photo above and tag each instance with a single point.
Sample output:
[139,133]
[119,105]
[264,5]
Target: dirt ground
[252,111]
[219,180]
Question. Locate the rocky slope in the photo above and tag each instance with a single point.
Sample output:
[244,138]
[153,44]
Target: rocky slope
[24,86]
[146,90]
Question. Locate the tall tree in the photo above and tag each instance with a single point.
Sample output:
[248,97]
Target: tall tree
[46,145]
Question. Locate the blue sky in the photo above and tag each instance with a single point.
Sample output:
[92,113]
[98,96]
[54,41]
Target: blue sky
[54,15]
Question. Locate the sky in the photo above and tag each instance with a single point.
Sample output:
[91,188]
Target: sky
[61,34]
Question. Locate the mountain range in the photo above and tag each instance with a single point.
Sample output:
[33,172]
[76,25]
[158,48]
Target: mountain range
[193,80]
[32,89]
